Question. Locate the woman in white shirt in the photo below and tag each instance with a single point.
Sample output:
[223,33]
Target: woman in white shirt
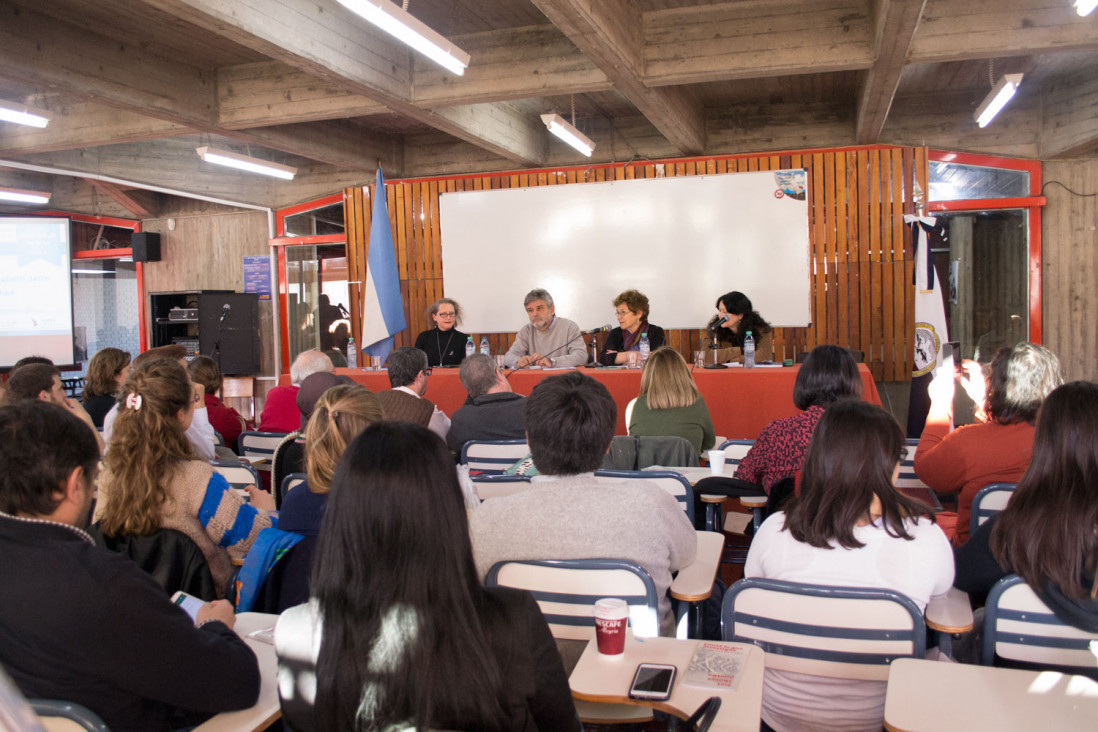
[848,526]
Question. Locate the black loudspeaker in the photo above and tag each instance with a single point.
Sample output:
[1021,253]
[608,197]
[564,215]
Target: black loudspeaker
[228,331]
[146,247]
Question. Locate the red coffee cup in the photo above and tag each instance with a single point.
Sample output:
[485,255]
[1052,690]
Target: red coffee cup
[611,619]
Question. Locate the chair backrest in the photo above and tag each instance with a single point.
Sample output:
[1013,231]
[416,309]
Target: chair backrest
[988,501]
[219,441]
[239,475]
[567,589]
[1019,628]
[674,483]
[907,476]
[62,716]
[495,486]
[840,632]
[290,481]
[629,412]
[735,451]
[493,457]
[258,444]
[289,457]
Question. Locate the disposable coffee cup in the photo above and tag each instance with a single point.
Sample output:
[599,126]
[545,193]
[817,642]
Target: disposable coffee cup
[611,618]
[716,462]
[375,363]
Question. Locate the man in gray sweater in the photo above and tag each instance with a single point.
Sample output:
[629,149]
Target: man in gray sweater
[567,513]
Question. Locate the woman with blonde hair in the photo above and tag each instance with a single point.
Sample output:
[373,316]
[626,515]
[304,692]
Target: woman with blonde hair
[670,403]
[340,415]
[152,480]
[107,372]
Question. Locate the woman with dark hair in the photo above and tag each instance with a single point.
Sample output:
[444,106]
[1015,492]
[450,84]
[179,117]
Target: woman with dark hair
[400,631]
[734,318]
[1047,533]
[226,420]
[107,372]
[828,374]
[631,310]
[848,527]
[444,344]
[996,449]
[670,403]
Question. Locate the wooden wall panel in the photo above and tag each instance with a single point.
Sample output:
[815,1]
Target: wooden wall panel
[861,268]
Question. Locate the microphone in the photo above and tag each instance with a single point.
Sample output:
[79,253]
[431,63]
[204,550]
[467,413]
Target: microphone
[601,329]
[224,312]
[720,321]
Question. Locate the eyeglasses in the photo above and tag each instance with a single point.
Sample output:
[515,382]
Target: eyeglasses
[427,371]
[446,315]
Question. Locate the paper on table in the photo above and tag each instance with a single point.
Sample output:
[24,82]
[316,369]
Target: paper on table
[716,666]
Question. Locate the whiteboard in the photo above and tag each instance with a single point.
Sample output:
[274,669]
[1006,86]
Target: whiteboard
[682,241]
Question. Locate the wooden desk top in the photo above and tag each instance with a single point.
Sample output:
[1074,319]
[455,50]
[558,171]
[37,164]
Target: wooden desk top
[943,697]
[600,679]
[695,582]
[267,709]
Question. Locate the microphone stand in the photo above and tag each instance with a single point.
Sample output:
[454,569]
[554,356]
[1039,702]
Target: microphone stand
[217,343]
[713,345]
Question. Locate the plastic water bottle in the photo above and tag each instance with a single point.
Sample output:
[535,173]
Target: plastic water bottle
[645,347]
[748,351]
[470,349]
[484,349]
[352,354]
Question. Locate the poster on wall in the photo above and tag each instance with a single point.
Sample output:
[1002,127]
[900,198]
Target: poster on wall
[257,276]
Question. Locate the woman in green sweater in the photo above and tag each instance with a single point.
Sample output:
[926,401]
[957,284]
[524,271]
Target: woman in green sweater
[670,403]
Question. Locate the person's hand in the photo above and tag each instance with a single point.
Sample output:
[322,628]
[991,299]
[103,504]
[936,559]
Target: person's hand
[216,610]
[545,362]
[199,396]
[78,411]
[522,362]
[940,390]
[972,380]
[261,499]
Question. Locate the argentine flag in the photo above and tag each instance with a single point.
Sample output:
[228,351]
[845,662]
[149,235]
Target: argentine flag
[382,308]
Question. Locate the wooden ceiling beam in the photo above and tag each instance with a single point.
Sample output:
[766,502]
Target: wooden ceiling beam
[336,143]
[894,24]
[755,38]
[85,124]
[1069,127]
[610,34]
[122,198]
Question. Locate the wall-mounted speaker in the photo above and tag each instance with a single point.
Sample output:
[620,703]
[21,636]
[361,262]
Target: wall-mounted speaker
[146,247]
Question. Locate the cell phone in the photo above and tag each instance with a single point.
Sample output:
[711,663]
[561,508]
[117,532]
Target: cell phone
[189,603]
[652,681]
[946,363]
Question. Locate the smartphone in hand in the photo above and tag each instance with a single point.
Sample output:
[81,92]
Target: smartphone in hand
[189,603]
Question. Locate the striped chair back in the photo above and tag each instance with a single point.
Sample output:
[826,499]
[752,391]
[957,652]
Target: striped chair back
[735,451]
[674,483]
[290,481]
[988,501]
[258,444]
[496,486]
[492,457]
[239,475]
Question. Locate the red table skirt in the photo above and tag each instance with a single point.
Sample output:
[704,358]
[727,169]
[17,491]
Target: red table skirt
[741,401]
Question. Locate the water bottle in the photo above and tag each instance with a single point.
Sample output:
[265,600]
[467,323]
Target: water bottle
[470,349]
[484,349]
[645,348]
[748,351]
[352,354]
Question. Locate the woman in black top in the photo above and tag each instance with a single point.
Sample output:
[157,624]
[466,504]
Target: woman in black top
[631,309]
[107,371]
[444,344]
[735,317]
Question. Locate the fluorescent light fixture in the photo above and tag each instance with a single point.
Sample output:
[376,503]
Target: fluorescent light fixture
[24,196]
[997,98]
[560,127]
[23,114]
[1085,7]
[400,24]
[245,162]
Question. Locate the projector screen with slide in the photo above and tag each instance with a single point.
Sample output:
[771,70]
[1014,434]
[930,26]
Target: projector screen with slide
[35,289]
[683,241]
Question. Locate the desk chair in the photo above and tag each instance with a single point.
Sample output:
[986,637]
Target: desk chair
[497,486]
[240,475]
[63,716]
[258,444]
[838,632]
[907,477]
[492,457]
[734,453]
[289,457]
[988,501]
[288,483]
[1019,629]
[566,591]
[674,483]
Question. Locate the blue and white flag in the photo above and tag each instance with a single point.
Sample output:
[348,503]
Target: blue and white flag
[382,308]
[931,331]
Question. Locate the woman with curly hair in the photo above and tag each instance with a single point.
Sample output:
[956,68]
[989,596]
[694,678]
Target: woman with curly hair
[152,480]
[631,310]
[735,317]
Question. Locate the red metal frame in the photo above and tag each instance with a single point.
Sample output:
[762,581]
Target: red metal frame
[279,244]
[282,213]
[1031,204]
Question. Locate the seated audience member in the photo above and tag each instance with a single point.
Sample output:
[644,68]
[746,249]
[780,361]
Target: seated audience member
[107,371]
[152,479]
[200,433]
[444,344]
[670,403]
[828,374]
[567,514]
[996,450]
[26,360]
[289,456]
[631,310]
[546,341]
[85,625]
[408,372]
[848,527]
[340,337]
[1046,534]
[395,585]
[226,420]
[492,411]
[280,413]
[39,381]
[734,318]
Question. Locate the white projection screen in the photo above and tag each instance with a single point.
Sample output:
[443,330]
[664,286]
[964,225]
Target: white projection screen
[683,241]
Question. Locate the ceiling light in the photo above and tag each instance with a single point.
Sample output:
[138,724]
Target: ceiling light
[1085,7]
[245,162]
[563,129]
[23,114]
[997,98]
[400,24]
[24,196]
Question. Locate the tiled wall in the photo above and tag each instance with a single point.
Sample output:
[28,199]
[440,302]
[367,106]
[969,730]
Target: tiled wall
[106,307]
